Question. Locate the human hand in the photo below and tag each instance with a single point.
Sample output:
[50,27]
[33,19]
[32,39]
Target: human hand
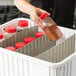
[35,15]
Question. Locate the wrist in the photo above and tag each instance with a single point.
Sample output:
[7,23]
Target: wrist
[33,11]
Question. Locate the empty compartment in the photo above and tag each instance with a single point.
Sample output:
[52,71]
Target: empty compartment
[60,51]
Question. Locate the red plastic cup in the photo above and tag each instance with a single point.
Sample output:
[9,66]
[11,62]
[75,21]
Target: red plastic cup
[10,29]
[10,48]
[39,34]
[28,39]
[19,44]
[22,23]
[1,35]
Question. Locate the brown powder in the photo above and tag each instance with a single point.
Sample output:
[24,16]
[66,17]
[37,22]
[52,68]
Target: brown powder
[53,32]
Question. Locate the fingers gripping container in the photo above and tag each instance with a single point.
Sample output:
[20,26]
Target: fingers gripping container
[41,57]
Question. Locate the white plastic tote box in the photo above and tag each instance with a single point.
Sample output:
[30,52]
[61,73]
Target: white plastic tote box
[40,57]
